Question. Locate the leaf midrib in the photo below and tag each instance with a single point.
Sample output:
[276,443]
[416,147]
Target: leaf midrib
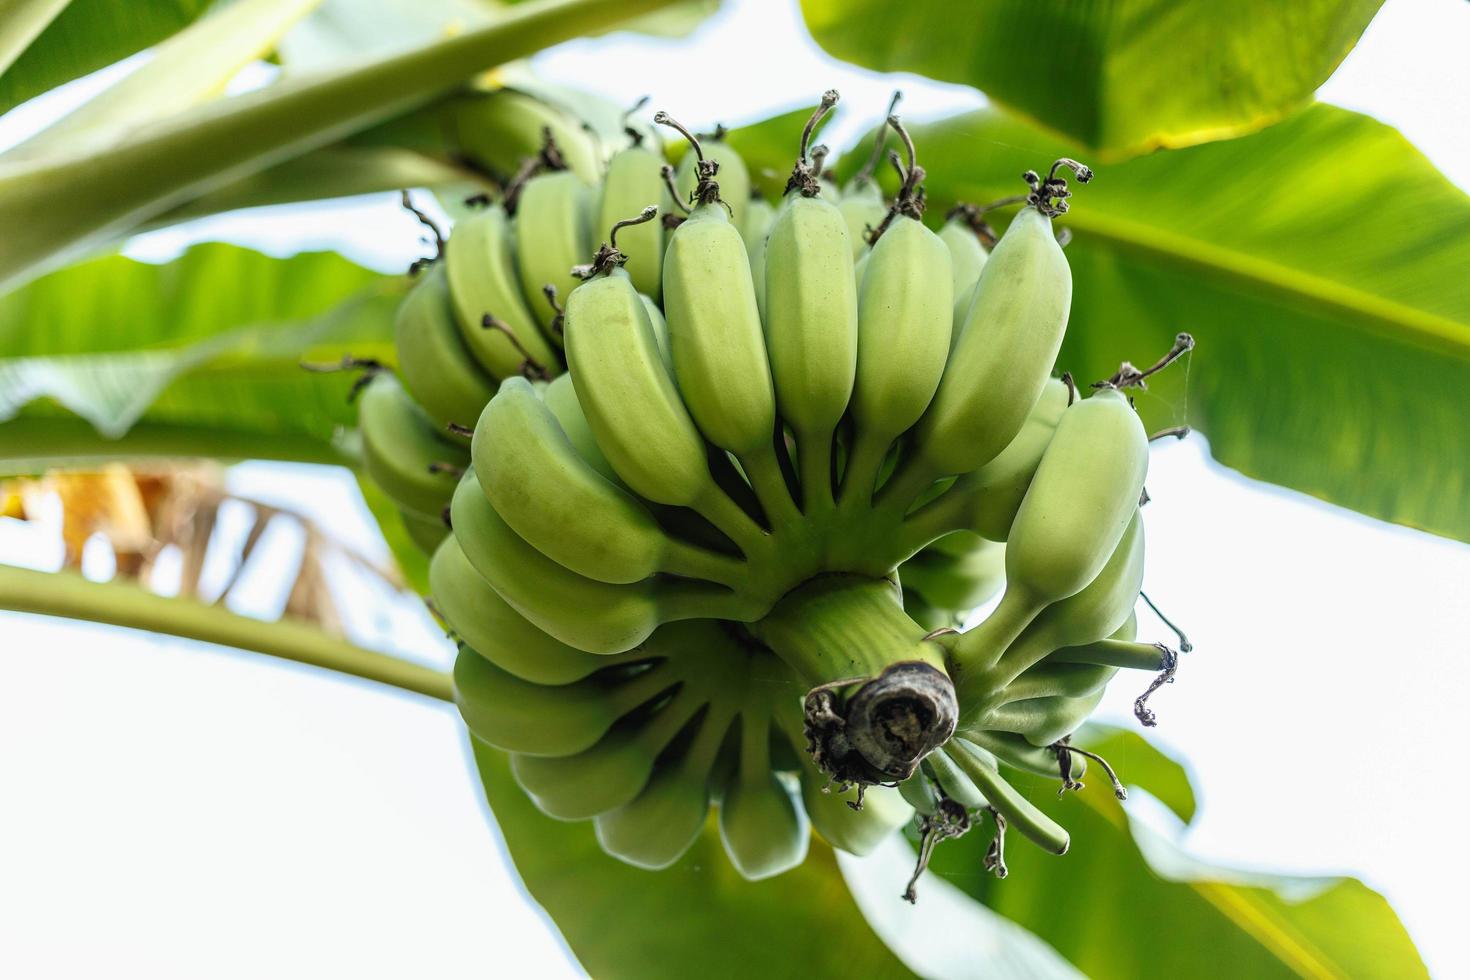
[1385,318]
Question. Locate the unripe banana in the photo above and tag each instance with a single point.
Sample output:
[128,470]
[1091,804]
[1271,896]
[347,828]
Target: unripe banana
[1043,721]
[716,335]
[425,531]
[660,332]
[659,825]
[501,128]
[854,831]
[961,582]
[518,716]
[1002,359]
[552,231]
[986,501]
[1090,615]
[811,329]
[1016,752]
[559,504]
[918,792]
[763,830]
[862,210]
[1057,680]
[955,784]
[1020,813]
[630,401]
[759,216]
[608,775]
[733,176]
[402,451]
[633,182]
[905,309]
[487,624]
[1078,507]
[967,257]
[479,259]
[435,364]
[581,612]
[560,397]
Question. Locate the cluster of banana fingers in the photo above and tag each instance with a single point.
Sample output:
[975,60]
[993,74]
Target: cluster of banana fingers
[711,478]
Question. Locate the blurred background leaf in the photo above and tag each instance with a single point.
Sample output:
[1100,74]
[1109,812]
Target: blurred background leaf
[200,356]
[1126,902]
[698,918]
[87,35]
[1320,266]
[1117,78]
[63,204]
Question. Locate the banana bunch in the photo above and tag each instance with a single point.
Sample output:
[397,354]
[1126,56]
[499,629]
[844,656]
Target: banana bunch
[721,486]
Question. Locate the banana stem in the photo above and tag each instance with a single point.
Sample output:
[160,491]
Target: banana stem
[845,628]
[913,477]
[769,484]
[863,466]
[814,456]
[934,520]
[73,597]
[880,699]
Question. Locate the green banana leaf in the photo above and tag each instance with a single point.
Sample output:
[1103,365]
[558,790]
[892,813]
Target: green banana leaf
[197,357]
[62,204]
[191,67]
[1319,265]
[1125,902]
[696,919]
[1118,78]
[84,36]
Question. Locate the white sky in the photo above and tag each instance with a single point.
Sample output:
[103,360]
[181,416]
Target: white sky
[171,810]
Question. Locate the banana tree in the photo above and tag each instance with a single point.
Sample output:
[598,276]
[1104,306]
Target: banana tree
[1315,357]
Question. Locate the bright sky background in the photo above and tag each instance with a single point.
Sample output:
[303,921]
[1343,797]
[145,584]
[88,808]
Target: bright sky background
[172,810]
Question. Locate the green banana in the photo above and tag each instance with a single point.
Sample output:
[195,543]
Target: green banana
[960,583]
[552,231]
[660,823]
[502,128]
[955,784]
[759,216]
[487,624]
[479,259]
[433,361]
[811,332]
[559,504]
[1020,754]
[402,451]
[854,831]
[1001,361]
[986,501]
[763,830]
[918,792]
[1043,721]
[633,182]
[560,397]
[905,309]
[733,176]
[425,531]
[518,716]
[660,332]
[1079,505]
[862,211]
[967,258]
[634,409]
[716,335]
[610,774]
[1020,813]
[1090,615]
[579,611]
